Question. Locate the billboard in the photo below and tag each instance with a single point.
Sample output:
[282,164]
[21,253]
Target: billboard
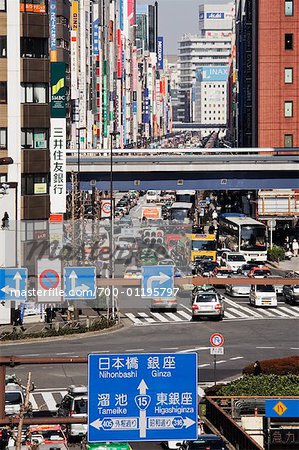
[52,20]
[58,165]
[211,73]
[95,37]
[215,15]
[160,53]
[58,90]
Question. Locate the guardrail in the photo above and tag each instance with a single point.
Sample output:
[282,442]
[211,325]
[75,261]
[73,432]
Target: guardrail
[228,427]
[178,151]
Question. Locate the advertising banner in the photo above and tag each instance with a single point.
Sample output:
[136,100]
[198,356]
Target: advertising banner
[58,90]
[95,37]
[160,53]
[119,54]
[58,166]
[52,19]
[75,14]
[74,66]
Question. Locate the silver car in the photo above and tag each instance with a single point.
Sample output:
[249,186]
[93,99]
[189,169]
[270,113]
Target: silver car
[208,304]
[236,290]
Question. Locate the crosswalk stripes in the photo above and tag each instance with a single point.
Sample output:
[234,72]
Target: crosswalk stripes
[46,400]
[233,311]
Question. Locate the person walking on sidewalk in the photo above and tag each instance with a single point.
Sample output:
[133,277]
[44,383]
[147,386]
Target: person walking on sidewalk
[295,247]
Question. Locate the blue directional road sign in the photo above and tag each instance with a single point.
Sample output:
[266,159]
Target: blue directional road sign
[80,283]
[13,284]
[157,281]
[142,397]
[282,408]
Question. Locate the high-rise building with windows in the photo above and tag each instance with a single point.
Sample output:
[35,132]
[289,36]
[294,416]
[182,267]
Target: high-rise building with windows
[210,47]
[267,63]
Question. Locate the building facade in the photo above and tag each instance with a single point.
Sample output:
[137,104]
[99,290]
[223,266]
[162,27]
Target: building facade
[268,60]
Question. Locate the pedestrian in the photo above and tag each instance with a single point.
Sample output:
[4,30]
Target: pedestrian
[295,247]
[4,438]
[257,370]
[214,215]
[211,229]
[5,221]
[18,319]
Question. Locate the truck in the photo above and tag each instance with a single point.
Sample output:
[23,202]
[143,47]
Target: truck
[278,203]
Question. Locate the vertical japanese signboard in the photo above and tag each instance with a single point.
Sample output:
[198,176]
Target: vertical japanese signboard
[52,19]
[58,166]
[160,53]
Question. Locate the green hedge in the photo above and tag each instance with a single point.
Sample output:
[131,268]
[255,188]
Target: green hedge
[276,253]
[262,385]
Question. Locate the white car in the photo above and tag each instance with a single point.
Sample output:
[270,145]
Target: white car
[236,290]
[232,260]
[262,295]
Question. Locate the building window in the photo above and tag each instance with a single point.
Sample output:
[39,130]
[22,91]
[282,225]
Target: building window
[3,92]
[288,41]
[288,7]
[35,184]
[2,46]
[3,137]
[34,47]
[288,140]
[2,5]
[288,109]
[288,75]
[37,138]
[34,93]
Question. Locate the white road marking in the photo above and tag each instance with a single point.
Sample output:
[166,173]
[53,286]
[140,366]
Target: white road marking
[236,357]
[238,313]
[169,348]
[265,347]
[253,313]
[196,349]
[133,318]
[33,354]
[49,400]
[294,348]
[290,311]
[203,365]
[268,313]
[185,315]
[280,313]
[221,361]
[174,317]
[146,317]
[185,307]
[228,315]
[33,402]
[160,317]
[64,353]
[135,350]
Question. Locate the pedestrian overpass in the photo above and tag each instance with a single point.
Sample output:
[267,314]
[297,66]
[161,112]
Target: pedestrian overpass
[188,168]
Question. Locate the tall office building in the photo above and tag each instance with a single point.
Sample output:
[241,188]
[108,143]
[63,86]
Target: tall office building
[211,47]
[267,63]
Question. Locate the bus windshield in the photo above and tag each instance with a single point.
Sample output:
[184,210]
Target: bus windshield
[180,214]
[253,238]
[203,245]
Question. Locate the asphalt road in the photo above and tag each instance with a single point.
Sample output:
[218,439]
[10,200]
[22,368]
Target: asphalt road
[245,341]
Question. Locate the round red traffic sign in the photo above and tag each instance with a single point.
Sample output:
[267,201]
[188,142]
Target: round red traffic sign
[48,279]
[106,207]
[216,340]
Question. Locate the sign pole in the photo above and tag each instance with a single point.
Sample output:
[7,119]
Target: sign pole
[215,370]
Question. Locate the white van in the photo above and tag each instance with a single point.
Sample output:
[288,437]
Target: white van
[14,398]
[153,196]
[263,295]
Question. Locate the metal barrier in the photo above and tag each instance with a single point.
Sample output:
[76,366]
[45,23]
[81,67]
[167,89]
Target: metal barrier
[228,427]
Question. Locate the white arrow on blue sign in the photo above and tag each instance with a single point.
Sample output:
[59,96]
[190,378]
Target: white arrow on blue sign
[80,283]
[157,281]
[142,397]
[13,284]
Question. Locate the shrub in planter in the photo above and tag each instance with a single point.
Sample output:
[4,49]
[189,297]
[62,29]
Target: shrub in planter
[276,253]
[279,366]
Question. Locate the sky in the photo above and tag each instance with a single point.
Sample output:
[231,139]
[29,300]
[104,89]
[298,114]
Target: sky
[177,17]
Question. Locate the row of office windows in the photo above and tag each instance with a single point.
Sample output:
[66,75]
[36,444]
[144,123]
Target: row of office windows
[30,138]
[30,92]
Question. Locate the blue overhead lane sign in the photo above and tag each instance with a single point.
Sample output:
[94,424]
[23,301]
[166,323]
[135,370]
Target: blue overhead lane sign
[157,281]
[80,283]
[13,284]
[142,397]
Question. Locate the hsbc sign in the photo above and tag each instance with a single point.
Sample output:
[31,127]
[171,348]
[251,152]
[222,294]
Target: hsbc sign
[215,15]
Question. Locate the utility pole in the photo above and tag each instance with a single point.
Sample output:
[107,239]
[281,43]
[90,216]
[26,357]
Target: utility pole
[24,409]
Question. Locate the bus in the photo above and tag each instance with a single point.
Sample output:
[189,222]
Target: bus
[185,196]
[245,235]
[203,246]
[182,212]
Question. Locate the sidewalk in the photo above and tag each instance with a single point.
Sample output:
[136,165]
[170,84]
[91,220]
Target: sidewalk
[287,266]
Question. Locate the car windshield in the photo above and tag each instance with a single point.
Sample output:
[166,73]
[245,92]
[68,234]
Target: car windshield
[262,272]
[203,245]
[13,398]
[56,435]
[236,258]
[80,406]
[206,298]
[267,288]
[224,272]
